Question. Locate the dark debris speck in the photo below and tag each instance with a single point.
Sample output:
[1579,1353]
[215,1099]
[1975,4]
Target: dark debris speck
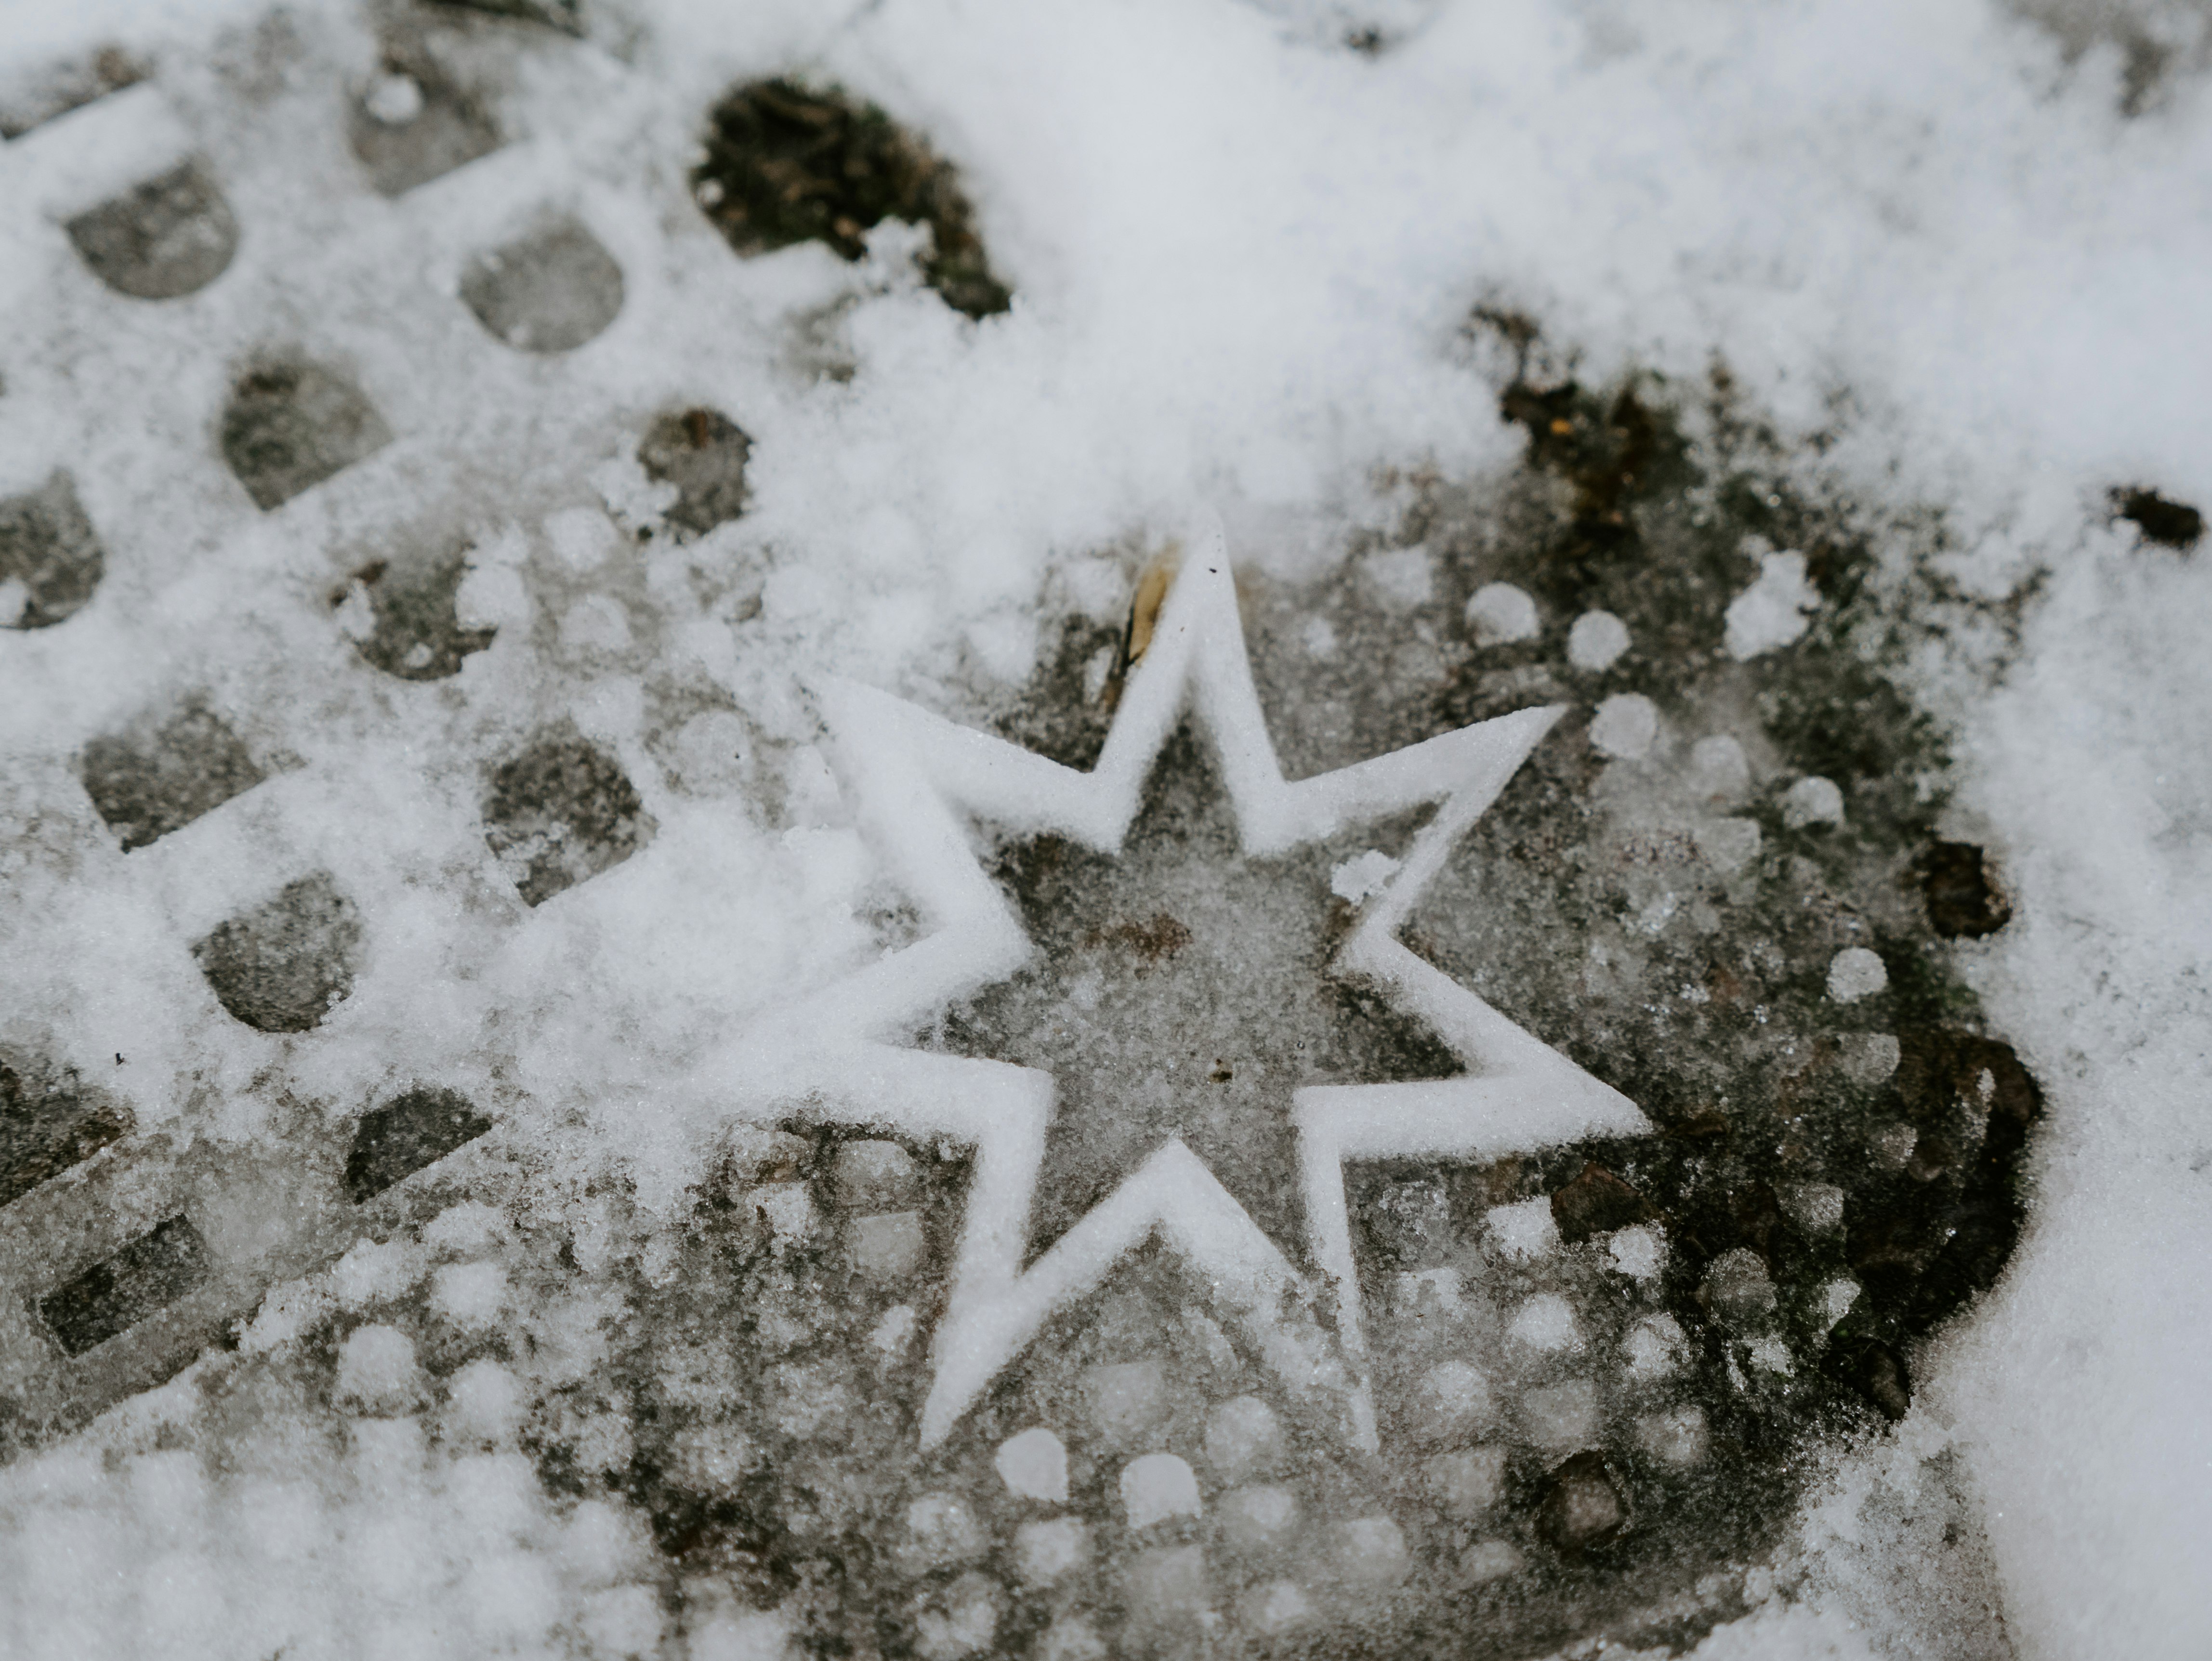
[2168,523]
[1963,902]
[1596,1202]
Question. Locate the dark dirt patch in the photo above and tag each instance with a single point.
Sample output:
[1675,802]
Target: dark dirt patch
[409,1132]
[48,544]
[702,452]
[145,1277]
[550,290]
[291,425]
[2170,524]
[170,236]
[417,635]
[1157,937]
[149,782]
[281,966]
[1772,1101]
[1619,510]
[561,812]
[789,163]
[47,1126]
[1963,902]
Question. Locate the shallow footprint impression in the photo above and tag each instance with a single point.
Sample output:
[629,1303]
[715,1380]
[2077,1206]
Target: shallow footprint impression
[594,1082]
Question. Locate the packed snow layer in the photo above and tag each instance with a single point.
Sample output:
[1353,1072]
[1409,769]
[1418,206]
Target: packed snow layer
[1241,262]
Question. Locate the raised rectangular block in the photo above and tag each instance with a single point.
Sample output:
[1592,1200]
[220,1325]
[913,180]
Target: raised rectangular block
[144,1278]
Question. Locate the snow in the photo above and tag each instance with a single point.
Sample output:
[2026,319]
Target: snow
[1676,1437]
[1561,1418]
[1719,770]
[1049,1549]
[1157,1486]
[1244,1438]
[1034,1464]
[1242,261]
[1812,800]
[1545,1322]
[1637,1252]
[1774,611]
[1500,613]
[1596,641]
[1855,973]
[1625,726]
[1366,874]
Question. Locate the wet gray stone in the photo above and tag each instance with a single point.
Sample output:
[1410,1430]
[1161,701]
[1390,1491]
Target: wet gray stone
[549,291]
[282,965]
[417,635]
[47,1126]
[152,780]
[702,452]
[172,235]
[146,1276]
[290,425]
[413,1130]
[413,123]
[561,811]
[48,545]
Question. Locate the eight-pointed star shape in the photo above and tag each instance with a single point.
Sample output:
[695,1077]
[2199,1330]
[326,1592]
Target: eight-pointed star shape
[917,782]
